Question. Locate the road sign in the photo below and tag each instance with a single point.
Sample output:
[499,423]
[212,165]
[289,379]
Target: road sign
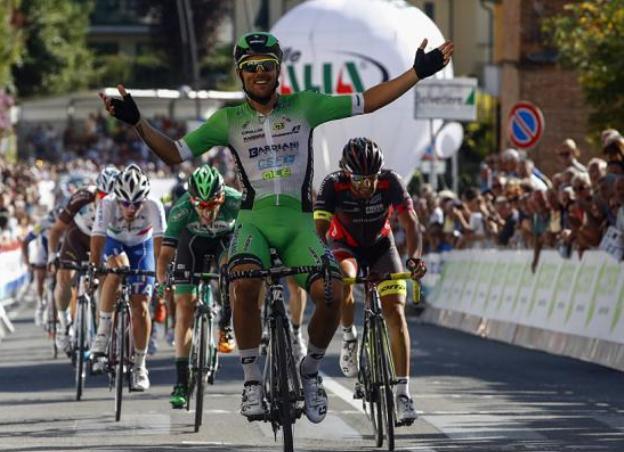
[453,99]
[525,125]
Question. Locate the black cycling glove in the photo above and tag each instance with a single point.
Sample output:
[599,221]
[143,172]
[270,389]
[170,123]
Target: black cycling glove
[426,64]
[126,110]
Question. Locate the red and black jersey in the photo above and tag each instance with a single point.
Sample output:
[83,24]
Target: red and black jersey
[360,222]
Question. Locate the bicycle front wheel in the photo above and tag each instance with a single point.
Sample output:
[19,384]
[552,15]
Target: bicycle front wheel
[80,347]
[385,390]
[120,351]
[285,403]
[200,371]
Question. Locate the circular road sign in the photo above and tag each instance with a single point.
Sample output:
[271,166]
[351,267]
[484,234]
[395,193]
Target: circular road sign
[525,125]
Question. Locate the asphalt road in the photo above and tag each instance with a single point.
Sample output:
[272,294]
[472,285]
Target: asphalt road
[472,395]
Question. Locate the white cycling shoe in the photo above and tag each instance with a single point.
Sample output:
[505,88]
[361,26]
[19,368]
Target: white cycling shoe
[406,413]
[315,397]
[349,358]
[140,379]
[253,403]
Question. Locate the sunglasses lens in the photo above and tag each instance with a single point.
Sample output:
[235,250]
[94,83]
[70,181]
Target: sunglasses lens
[253,66]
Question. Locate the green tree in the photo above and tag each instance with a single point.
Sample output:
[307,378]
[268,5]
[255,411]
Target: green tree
[56,58]
[11,41]
[589,36]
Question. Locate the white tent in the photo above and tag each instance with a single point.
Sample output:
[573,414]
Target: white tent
[338,46]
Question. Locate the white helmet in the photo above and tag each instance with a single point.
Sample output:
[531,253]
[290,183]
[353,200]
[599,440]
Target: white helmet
[132,184]
[106,179]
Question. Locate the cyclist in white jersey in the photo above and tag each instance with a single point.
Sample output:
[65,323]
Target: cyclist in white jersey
[127,232]
[74,224]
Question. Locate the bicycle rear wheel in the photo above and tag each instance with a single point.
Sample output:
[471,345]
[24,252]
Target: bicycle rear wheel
[285,403]
[200,371]
[120,351]
[79,350]
[385,389]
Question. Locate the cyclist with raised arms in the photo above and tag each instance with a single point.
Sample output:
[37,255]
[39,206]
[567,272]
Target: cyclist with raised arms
[127,232]
[75,221]
[270,138]
[200,223]
[352,213]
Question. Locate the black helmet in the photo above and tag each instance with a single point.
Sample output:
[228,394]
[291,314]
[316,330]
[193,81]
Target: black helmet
[257,43]
[361,156]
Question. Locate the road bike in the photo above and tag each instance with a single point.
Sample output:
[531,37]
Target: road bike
[84,324]
[203,356]
[120,361]
[282,382]
[376,375]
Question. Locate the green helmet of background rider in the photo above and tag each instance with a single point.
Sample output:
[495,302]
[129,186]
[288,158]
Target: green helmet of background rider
[205,183]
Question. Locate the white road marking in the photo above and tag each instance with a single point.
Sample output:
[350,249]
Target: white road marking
[342,392]
[130,424]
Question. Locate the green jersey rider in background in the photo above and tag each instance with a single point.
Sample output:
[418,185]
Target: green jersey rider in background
[270,137]
[199,224]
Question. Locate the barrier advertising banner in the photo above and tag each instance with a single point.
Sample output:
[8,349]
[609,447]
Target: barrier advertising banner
[579,297]
[13,271]
[539,301]
[583,286]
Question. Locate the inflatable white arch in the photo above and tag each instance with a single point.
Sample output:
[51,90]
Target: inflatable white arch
[343,46]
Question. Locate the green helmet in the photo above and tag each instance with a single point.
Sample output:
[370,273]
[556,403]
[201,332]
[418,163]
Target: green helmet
[257,43]
[205,183]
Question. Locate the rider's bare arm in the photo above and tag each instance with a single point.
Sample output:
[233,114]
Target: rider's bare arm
[322,226]
[158,142]
[54,234]
[409,222]
[164,259]
[96,247]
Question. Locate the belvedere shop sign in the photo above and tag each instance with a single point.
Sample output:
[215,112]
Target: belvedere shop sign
[454,99]
[347,46]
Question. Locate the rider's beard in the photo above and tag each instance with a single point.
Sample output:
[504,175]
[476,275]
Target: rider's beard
[261,100]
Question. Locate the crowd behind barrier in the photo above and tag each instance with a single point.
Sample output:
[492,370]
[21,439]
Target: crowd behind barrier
[517,207]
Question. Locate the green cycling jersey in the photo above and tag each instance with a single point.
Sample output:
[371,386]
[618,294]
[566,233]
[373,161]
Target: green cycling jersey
[273,153]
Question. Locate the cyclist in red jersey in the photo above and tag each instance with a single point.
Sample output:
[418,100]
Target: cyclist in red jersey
[352,213]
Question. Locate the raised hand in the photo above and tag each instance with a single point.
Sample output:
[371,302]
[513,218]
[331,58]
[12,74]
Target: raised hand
[427,64]
[124,109]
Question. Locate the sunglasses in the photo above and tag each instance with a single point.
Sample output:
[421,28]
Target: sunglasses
[359,180]
[210,204]
[254,66]
[128,204]
[580,188]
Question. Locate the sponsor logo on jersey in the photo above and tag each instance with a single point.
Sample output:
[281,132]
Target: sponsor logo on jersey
[375,208]
[263,150]
[276,162]
[278,173]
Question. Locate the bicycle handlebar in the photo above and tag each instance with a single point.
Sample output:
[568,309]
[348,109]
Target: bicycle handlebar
[186,277]
[126,271]
[377,278]
[275,272]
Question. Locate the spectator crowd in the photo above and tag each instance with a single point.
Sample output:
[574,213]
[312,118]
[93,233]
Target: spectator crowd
[517,206]
[514,205]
